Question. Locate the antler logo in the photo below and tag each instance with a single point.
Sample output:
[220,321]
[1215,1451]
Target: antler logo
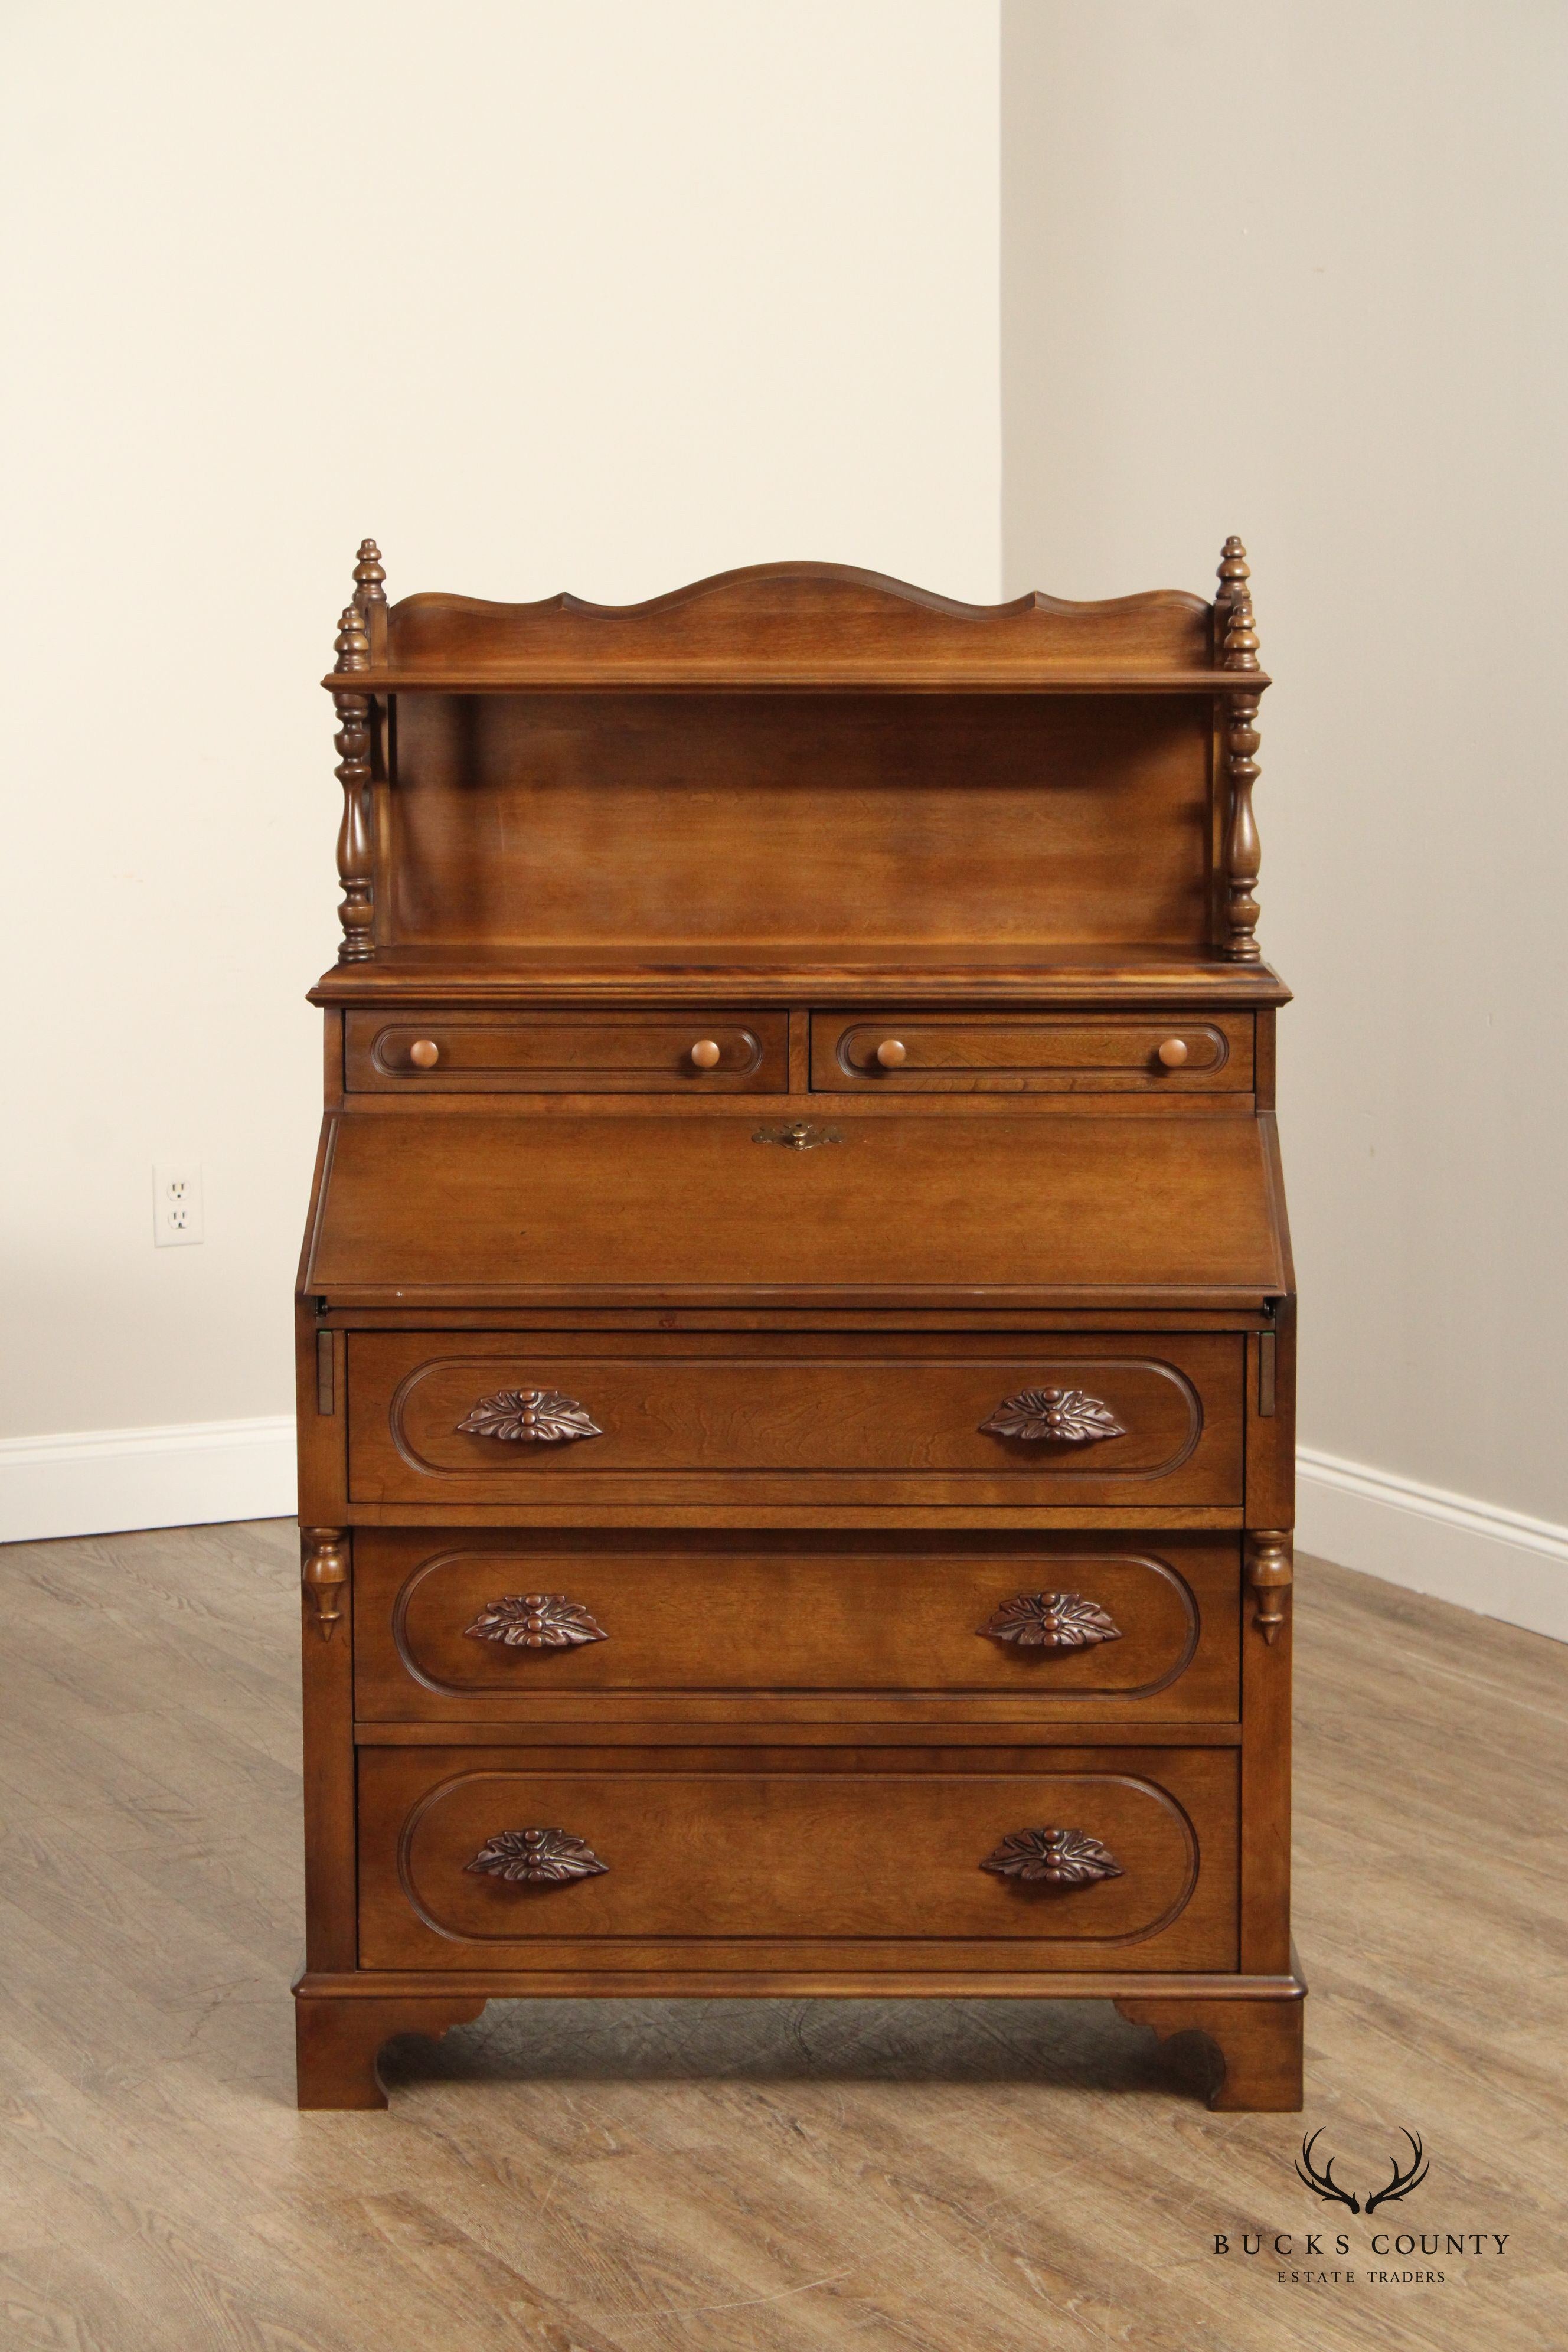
[1403,2182]
[1324,2184]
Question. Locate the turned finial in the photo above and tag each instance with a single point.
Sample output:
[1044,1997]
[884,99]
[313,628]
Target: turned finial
[1235,600]
[370,599]
[369,573]
[1234,571]
[352,645]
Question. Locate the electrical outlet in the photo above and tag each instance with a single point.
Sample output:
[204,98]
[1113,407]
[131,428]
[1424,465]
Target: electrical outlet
[176,1203]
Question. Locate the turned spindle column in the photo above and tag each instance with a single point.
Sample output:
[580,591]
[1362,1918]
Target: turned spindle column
[1238,652]
[357,911]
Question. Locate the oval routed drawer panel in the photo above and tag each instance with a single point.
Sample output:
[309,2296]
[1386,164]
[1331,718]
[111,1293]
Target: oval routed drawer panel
[448,1627]
[1073,1420]
[929,1053]
[561,1053]
[710,1854]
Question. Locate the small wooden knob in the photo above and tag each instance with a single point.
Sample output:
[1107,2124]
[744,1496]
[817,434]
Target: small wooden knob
[891,1051]
[1173,1052]
[705,1053]
[425,1052]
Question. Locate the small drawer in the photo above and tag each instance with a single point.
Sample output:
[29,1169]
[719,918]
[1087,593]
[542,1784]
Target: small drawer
[522,1419]
[501,1628]
[934,1053]
[566,1053]
[1010,1859]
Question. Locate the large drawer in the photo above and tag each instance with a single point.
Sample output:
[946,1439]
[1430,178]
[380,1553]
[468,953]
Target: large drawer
[534,1418]
[559,1052]
[736,1859]
[1037,1053]
[480,1626]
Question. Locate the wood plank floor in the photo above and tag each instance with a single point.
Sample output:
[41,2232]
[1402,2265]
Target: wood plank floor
[731,2176]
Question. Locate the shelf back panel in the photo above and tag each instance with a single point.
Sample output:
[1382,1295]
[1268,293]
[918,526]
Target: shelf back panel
[843,818]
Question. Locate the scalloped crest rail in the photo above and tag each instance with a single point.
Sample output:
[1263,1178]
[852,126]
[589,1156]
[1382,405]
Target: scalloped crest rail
[938,1482]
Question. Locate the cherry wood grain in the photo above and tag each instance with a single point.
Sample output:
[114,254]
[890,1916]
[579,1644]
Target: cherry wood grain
[338,2043]
[713,1321]
[780,619]
[903,1209]
[790,1719]
[791,1419]
[972,1054]
[701,1052]
[731,1861]
[1009,820]
[326,1665]
[1265,1680]
[680,677]
[687,1620]
[1029,970]
[1260,2043]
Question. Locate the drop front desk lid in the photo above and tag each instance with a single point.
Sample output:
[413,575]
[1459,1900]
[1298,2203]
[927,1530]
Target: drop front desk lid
[647,1209]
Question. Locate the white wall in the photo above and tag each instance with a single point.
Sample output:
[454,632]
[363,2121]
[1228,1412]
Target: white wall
[606,297]
[1296,270]
[613,296]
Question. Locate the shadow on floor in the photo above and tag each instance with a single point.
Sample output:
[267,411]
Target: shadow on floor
[1064,2043]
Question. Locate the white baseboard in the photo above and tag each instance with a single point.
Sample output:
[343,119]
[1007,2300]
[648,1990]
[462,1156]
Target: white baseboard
[100,1481]
[1498,1562]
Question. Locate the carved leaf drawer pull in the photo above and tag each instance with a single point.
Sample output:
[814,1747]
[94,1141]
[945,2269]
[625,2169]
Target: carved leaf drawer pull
[1051,1621]
[530,1416]
[536,1858]
[1069,1416]
[535,1621]
[1052,1858]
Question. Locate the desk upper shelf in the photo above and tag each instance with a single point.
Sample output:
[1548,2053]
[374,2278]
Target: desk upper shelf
[798,751]
[845,678]
[806,627]
[903,974]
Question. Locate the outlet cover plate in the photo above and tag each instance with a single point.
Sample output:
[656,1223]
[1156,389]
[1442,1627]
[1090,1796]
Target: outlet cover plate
[178,1222]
